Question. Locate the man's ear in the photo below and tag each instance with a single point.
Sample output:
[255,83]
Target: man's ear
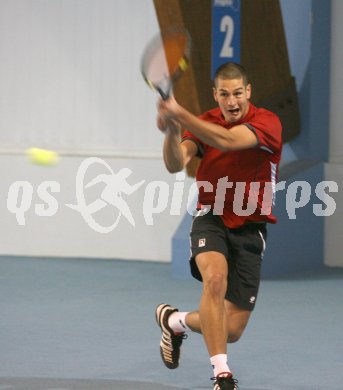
[215,94]
[248,89]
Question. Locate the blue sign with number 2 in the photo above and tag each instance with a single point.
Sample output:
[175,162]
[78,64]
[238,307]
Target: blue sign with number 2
[226,32]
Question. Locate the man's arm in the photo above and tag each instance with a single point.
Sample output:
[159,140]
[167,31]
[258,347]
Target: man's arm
[238,137]
[176,155]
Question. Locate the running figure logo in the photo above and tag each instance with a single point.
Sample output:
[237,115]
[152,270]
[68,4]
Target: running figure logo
[116,185]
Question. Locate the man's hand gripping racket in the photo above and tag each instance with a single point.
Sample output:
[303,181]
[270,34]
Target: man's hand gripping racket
[165,59]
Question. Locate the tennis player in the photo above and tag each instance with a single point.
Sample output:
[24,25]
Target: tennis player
[240,149]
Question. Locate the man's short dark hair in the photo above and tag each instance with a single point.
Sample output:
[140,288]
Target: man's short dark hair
[231,71]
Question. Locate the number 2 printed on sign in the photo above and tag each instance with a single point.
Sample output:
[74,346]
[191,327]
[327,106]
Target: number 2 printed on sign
[226,33]
[227,25]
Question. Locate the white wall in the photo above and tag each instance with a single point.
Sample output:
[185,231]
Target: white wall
[334,169]
[70,81]
[70,77]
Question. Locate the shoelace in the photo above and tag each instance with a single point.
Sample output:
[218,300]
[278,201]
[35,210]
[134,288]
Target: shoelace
[177,339]
[220,378]
[171,343]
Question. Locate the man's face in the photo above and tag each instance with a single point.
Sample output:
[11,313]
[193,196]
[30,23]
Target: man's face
[232,97]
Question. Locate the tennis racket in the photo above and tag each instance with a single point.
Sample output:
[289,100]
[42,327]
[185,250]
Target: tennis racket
[165,59]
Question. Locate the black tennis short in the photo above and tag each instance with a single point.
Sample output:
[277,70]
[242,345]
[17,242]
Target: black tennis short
[243,248]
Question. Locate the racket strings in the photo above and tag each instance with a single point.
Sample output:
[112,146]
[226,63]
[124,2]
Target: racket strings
[165,59]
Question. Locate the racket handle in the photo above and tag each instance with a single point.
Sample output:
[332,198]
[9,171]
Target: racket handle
[164,95]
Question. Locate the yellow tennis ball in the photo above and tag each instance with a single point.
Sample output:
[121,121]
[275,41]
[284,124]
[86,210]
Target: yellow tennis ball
[42,156]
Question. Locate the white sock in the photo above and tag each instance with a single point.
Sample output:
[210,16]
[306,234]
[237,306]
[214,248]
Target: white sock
[219,364]
[177,321]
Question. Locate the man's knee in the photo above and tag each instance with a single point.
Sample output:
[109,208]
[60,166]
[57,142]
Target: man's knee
[237,320]
[215,283]
[234,337]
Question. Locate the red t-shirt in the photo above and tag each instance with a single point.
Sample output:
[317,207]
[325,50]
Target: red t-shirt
[240,185]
